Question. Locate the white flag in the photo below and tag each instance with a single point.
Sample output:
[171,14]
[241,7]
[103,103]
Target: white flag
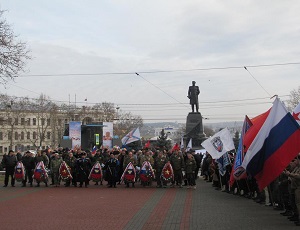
[132,136]
[189,146]
[181,143]
[219,143]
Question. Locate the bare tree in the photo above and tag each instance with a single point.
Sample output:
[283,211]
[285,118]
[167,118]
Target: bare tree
[13,53]
[294,99]
[126,122]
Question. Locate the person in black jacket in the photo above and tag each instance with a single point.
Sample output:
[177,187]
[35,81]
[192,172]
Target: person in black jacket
[112,167]
[29,165]
[83,167]
[9,163]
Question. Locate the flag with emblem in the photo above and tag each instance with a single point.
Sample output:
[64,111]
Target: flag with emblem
[132,136]
[222,162]
[219,144]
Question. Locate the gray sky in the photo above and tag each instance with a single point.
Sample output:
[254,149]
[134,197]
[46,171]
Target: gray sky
[156,39]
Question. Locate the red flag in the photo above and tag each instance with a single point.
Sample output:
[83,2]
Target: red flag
[257,123]
[175,147]
[147,145]
[247,138]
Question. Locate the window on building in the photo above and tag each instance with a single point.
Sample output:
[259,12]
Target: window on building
[28,135]
[48,135]
[5,149]
[1,149]
[34,135]
[22,135]
[48,121]
[28,122]
[33,121]
[9,121]
[42,121]
[22,121]
[1,136]
[16,121]
[16,135]
[9,135]
[1,121]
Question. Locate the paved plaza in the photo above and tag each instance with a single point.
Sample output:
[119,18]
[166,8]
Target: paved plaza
[98,207]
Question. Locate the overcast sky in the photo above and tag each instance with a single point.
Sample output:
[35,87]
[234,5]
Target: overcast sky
[156,39]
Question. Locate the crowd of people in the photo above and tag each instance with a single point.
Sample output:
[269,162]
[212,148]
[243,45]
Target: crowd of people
[113,161]
[283,194]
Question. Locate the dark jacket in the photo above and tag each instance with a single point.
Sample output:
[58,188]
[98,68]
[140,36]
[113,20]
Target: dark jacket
[9,161]
[28,162]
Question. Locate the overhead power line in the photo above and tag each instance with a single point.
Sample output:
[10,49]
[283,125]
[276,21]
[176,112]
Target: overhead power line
[160,71]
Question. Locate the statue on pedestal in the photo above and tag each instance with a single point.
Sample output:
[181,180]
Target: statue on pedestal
[193,96]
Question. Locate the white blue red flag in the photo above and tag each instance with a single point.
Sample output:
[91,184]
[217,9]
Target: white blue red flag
[219,144]
[132,136]
[94,150]
[274,147]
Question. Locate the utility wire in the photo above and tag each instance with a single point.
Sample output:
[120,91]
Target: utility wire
[159,71]
[159,89]
[257,81]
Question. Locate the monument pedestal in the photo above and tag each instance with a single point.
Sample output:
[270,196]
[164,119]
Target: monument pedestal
[195,130]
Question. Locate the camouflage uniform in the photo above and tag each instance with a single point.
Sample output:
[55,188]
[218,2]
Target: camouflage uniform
[54,166]
[190,167]
[159,164]
[177,163]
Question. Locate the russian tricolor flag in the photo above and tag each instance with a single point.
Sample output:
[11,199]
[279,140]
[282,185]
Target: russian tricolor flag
[94,150]
[274,147]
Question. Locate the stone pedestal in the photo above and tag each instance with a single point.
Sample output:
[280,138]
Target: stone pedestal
[195,130]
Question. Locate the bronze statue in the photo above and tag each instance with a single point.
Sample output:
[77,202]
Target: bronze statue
[193,96]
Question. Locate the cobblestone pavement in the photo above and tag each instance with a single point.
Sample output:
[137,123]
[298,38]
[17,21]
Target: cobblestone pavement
[98,207]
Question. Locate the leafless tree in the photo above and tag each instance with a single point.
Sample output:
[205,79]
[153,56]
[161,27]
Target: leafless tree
[126,122]
[13,53]
[294,99]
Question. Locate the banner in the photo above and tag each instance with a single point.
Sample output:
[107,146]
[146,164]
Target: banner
[108,132]
[75,134]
